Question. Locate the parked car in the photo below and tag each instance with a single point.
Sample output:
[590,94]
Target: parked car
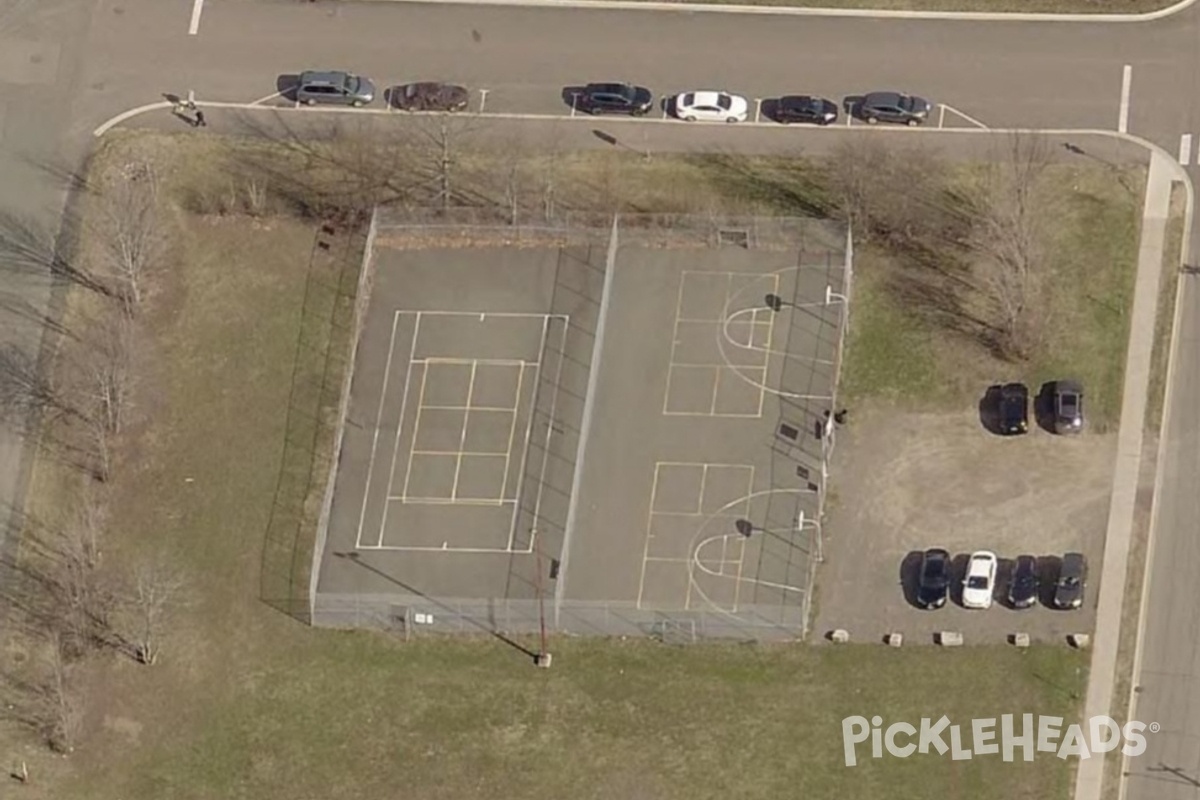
[333,87]
[803,108]
[711,106]
[1023,587]
[980,581]
[893,107]
[615,98]
[1014,409]
[1072,577]
[1068,407]
[429,96]
[934,580]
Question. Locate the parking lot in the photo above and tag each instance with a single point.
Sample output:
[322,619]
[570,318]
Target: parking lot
[906,482]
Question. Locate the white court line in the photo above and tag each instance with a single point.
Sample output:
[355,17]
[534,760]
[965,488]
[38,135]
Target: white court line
[462,438]
[412,448]
[500,409]
[512,434]
[400,427]
[452,501]
[194,25]
[387,370]
[461,362]
[472,453]
[1123,113]
[649,526]
[1185,149]
[271,96]
[537,378]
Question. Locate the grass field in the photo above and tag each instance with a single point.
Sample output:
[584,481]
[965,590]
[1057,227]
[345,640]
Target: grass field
[247,703]
[900,355]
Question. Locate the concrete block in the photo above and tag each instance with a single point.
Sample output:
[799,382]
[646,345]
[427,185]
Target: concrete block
[894,639]
[1020,639]
[949,638]
[840,636]
[1080,641]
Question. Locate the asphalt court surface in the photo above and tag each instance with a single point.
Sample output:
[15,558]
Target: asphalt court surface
[460,450]
[712,511]
[465,422]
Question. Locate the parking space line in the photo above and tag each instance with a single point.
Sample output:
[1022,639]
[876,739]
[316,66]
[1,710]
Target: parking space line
[1185,149]
[483,93]
[194,25]
[758,109]
[1123,112]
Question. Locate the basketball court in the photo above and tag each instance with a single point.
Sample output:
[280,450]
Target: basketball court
[600,437]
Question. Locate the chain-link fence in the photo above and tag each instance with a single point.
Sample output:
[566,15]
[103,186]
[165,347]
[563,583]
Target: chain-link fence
[476,226]
[415,615]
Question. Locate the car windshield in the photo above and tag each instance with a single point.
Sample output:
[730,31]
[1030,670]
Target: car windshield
[725,101]
[907,104]
[350,84]
[689,99]
[1070,583]
[934,571]
[977,582]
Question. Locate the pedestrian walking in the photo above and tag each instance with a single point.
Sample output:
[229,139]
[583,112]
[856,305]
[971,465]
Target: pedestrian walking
[200,123]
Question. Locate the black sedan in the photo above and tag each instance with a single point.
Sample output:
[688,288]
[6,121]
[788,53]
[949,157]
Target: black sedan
[429,97]
[803,108]
[1023,588]
[614,98]
[1014,409]
[934,581]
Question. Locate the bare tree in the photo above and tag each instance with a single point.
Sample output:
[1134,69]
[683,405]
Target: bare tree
[133,234]
[26,387]
[59,712]
[155,592]
[1007,240]
[107,365]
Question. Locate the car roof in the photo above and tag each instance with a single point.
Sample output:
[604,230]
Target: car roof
[323,76]
[883,98]
[979,555]
[612,86]
[796,100]
[705,96]
[936,552]
[1014,388]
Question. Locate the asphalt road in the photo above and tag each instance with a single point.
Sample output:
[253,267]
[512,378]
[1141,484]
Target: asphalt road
[68,65]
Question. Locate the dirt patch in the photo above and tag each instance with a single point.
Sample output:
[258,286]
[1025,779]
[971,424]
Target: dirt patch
[909,481]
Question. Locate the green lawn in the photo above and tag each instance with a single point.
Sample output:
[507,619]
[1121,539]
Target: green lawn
[248,703]
[898,354]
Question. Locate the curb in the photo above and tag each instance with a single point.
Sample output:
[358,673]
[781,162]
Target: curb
[682,6]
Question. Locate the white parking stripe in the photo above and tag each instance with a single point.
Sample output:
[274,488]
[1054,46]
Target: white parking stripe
[1185,149]
[194,26]
[1123,115]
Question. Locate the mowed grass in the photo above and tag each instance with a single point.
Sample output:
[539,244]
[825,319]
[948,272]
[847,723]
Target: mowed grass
[247,703]
[898,354]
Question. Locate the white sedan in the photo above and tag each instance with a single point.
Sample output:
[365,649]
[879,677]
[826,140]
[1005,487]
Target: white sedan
[711,106]
[980,580]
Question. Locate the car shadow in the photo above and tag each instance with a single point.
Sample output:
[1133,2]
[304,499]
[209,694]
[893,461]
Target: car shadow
[1004,573]
[390,94]
[1049,568]
[287,85]
[958,569]
[570,96]
[910,576]
[852,105]
[667,106]
[989,410]
[770,109]
[1043,406]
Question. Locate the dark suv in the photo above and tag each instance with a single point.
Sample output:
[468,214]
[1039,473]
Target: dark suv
[1068,407]
[893,107]
[336,88]
[934,580]
[1068,592]
[614,98]
[1014,409]
[1023,587]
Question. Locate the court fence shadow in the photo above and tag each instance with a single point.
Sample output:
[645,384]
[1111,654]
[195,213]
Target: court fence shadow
[323,360]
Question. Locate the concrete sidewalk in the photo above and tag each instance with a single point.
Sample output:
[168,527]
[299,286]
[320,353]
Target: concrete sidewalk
[1090,775]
